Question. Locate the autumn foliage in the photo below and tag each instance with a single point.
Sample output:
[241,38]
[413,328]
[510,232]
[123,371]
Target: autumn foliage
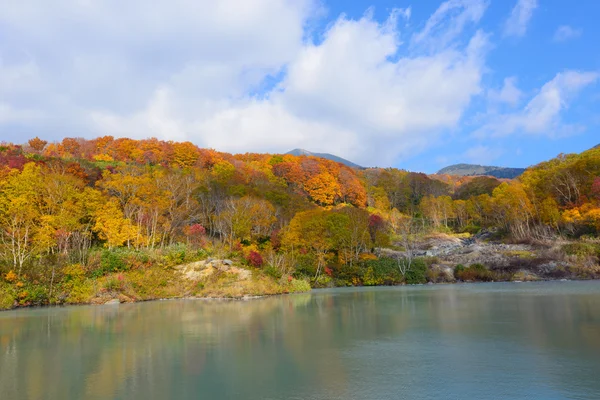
[59,201]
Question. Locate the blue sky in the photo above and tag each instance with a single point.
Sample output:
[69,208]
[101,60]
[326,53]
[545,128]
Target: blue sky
[416,85]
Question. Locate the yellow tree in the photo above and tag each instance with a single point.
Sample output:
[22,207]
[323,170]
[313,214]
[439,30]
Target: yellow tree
[512,209]
[20,214]
[308,231]
[112,226]
[439,210]
[245,218]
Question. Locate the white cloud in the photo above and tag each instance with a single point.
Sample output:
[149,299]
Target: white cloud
[200,71]
[342,95]
[565,32]
[509,94]
[516,24]
[449,21]
[542,114]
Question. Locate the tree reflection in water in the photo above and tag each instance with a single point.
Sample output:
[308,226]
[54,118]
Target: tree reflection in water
[327,344]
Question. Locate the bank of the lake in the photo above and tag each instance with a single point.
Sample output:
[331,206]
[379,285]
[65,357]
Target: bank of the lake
[437,259]
[208,279]
[537,340]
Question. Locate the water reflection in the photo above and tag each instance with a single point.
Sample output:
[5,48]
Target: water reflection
[459,341]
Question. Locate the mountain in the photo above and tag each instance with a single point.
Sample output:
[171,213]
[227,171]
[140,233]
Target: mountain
[473,170]
[302,152]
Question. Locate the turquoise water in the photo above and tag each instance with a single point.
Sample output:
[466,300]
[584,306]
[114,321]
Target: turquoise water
[479,341]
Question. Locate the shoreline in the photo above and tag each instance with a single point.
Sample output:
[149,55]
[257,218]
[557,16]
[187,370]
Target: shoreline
[259,297]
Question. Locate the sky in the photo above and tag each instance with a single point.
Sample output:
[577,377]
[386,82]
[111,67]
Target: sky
[415,84]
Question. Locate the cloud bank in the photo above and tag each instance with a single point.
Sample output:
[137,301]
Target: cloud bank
[256,75]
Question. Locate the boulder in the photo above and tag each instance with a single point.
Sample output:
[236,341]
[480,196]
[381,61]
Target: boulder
[223,267]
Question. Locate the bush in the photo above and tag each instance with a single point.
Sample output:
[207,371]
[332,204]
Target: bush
[417,273]
[306,265]
[7,297]
[73,272]
[76,288]
[581,250]
[383,271]
[176,255]
[472,229]
[113,284]
[32,295]
[110,261]
[475,272]
[272,272]
[255,259]
[10,277]
[458,270]
[298,285]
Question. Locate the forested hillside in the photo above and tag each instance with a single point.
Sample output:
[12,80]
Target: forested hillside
[124,213]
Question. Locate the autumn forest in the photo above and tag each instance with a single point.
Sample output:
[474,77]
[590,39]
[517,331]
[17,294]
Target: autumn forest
[86,221]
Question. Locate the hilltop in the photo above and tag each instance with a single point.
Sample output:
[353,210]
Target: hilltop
[302,152]
[476,170]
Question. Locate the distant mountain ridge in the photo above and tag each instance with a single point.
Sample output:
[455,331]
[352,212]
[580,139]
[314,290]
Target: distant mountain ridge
[302,152]
[477,170]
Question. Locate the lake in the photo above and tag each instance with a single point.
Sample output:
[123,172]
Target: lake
[468,341]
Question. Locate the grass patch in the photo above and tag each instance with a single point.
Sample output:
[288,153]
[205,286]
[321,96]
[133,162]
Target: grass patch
[522,254]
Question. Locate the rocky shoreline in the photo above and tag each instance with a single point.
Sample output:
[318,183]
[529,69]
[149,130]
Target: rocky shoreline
[510,261]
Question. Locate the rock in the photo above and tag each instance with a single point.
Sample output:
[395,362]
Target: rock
[228,262]
[548,267]
[223,267]
[243,274]
[449,272]
[113,302]
[125,299]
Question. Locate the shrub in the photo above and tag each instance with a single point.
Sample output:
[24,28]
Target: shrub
[10,277]
[113,284]
[33,295]
[475,272]
[581,250]
[417,272]
[272,272]
[472,229]
[255,259]
[176,255]
[7,297]
[382,271]
[110,261]
[298,285]
[458,269]
[73,272]
[76,288]
[371,279]
[306,265]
